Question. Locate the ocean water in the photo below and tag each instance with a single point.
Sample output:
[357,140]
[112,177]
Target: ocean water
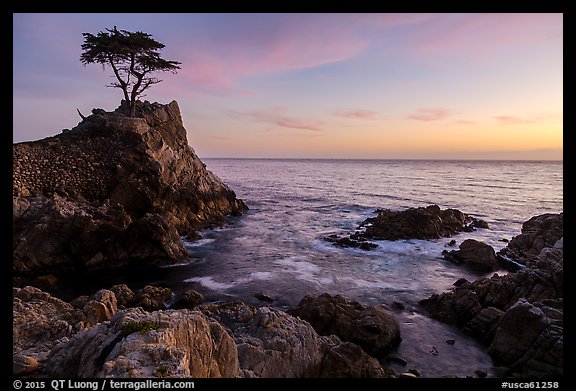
[277,247]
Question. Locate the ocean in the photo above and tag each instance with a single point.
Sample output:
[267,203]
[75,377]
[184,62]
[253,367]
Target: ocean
[277,248]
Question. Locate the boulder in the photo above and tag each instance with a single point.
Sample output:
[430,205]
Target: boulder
[152,298]
[188,299]
[124,295]
[100,307]
[373,328]
[475,255]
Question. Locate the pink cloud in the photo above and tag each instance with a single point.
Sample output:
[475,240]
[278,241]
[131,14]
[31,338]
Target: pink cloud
[431,114]
[478,35]
[219,64]
[276,116]
[511,120]
[356,114]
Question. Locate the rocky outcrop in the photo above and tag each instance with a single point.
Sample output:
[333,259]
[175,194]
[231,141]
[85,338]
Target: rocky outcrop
[474,255]
[40,321]
[189,299]
[429,222]
[519,316]
[530,339]
[92,338]
[537,233]
[112,191]
[139,344]
[373,328]
[271,343]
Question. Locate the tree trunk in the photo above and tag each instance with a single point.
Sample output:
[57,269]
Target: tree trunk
[133,107]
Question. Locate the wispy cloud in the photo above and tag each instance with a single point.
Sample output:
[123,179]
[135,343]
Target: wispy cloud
[356,114]
[481,34]
[255,47]
[512,120]
[277,116]
[464,122]
[436,114]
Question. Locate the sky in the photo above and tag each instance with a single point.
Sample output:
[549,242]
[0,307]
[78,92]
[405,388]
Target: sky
[352,86]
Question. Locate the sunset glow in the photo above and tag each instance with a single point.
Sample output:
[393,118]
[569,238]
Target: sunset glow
[377,86]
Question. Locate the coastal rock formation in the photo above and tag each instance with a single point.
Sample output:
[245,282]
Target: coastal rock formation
[92,338]
[429,222]
[374,329]
[519,316]
[475,255]
[135,343]
[271,343]
[40,321]
[113,191]
[537,233]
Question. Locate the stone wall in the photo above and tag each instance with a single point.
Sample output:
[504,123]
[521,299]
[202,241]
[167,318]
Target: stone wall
[83,168]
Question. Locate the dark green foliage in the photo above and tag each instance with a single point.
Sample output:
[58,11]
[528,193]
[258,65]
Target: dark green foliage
[133,57]
[142,327]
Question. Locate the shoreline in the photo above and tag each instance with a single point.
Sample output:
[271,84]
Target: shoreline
[390,363]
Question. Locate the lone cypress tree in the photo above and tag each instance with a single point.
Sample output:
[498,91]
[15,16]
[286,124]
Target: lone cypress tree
[133,56]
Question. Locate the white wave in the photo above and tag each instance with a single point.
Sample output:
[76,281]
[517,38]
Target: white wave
[187,262]
[209,283]
[197,243]
[305,271]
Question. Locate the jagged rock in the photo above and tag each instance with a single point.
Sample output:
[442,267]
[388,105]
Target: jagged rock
[527,342]
[39,322]
[483,325]
[474,254]
[271,343]
[188,299]
[100,307]
[152,298]
[40,319]
[376,330]
[113,191]
[183,344]
[349,360]
[415,223]
[518,315]
[355,241]
[124,295]
[537,233]
[456,307]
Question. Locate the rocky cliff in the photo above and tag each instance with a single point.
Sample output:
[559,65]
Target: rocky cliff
[112,191]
